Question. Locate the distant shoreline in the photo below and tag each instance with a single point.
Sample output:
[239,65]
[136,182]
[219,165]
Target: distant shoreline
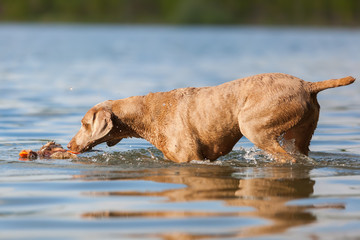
[338,13]
[164,25]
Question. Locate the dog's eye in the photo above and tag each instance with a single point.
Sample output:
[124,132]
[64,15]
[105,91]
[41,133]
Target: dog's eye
[86,125]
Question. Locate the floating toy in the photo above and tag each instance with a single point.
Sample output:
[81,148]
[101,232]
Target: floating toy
[49,150]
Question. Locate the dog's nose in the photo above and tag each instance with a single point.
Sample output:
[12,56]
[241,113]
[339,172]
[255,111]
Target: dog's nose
[69,145]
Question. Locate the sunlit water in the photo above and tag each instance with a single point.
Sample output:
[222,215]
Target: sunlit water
[50,75]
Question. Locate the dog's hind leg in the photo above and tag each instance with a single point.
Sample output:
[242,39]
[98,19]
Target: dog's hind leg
[267,141]
[272,146]
[267,137]
[301,134]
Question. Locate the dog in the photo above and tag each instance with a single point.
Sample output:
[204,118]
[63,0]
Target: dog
[205,123]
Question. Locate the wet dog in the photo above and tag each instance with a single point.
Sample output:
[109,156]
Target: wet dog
[205,123]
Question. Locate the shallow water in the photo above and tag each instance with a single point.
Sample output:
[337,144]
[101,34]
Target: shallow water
[51,75]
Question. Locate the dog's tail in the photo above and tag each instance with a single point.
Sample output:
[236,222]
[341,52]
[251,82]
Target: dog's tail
[316,87]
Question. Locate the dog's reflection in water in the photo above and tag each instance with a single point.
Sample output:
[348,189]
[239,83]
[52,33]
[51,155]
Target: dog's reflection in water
[267,196]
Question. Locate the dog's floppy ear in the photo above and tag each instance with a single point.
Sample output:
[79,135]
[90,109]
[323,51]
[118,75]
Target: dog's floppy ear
[102,124]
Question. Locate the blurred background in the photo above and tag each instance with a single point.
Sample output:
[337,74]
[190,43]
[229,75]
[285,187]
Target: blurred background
[279,12]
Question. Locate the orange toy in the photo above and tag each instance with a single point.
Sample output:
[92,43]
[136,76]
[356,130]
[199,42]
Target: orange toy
[29,154]
[73,152]
[23,154]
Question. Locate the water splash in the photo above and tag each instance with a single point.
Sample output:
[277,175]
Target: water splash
[244,157]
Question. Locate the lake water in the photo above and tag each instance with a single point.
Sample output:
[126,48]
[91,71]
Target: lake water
[50,75]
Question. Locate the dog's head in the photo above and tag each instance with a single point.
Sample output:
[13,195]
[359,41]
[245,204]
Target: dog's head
[97,126]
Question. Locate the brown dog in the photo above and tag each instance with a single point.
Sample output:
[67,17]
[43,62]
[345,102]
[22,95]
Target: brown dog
[205,123]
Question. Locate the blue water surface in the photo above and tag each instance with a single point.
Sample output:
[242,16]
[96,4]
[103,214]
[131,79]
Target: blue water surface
[51,74]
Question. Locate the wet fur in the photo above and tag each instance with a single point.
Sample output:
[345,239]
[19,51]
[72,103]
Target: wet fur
[205,123]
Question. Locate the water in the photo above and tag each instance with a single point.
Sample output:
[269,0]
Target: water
[51,75]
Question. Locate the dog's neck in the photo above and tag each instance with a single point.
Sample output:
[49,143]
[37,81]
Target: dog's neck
[130,112]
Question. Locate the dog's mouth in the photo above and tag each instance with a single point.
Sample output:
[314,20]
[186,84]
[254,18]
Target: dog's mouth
[82,149]
[86,149]
[109,143]
[89,146]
